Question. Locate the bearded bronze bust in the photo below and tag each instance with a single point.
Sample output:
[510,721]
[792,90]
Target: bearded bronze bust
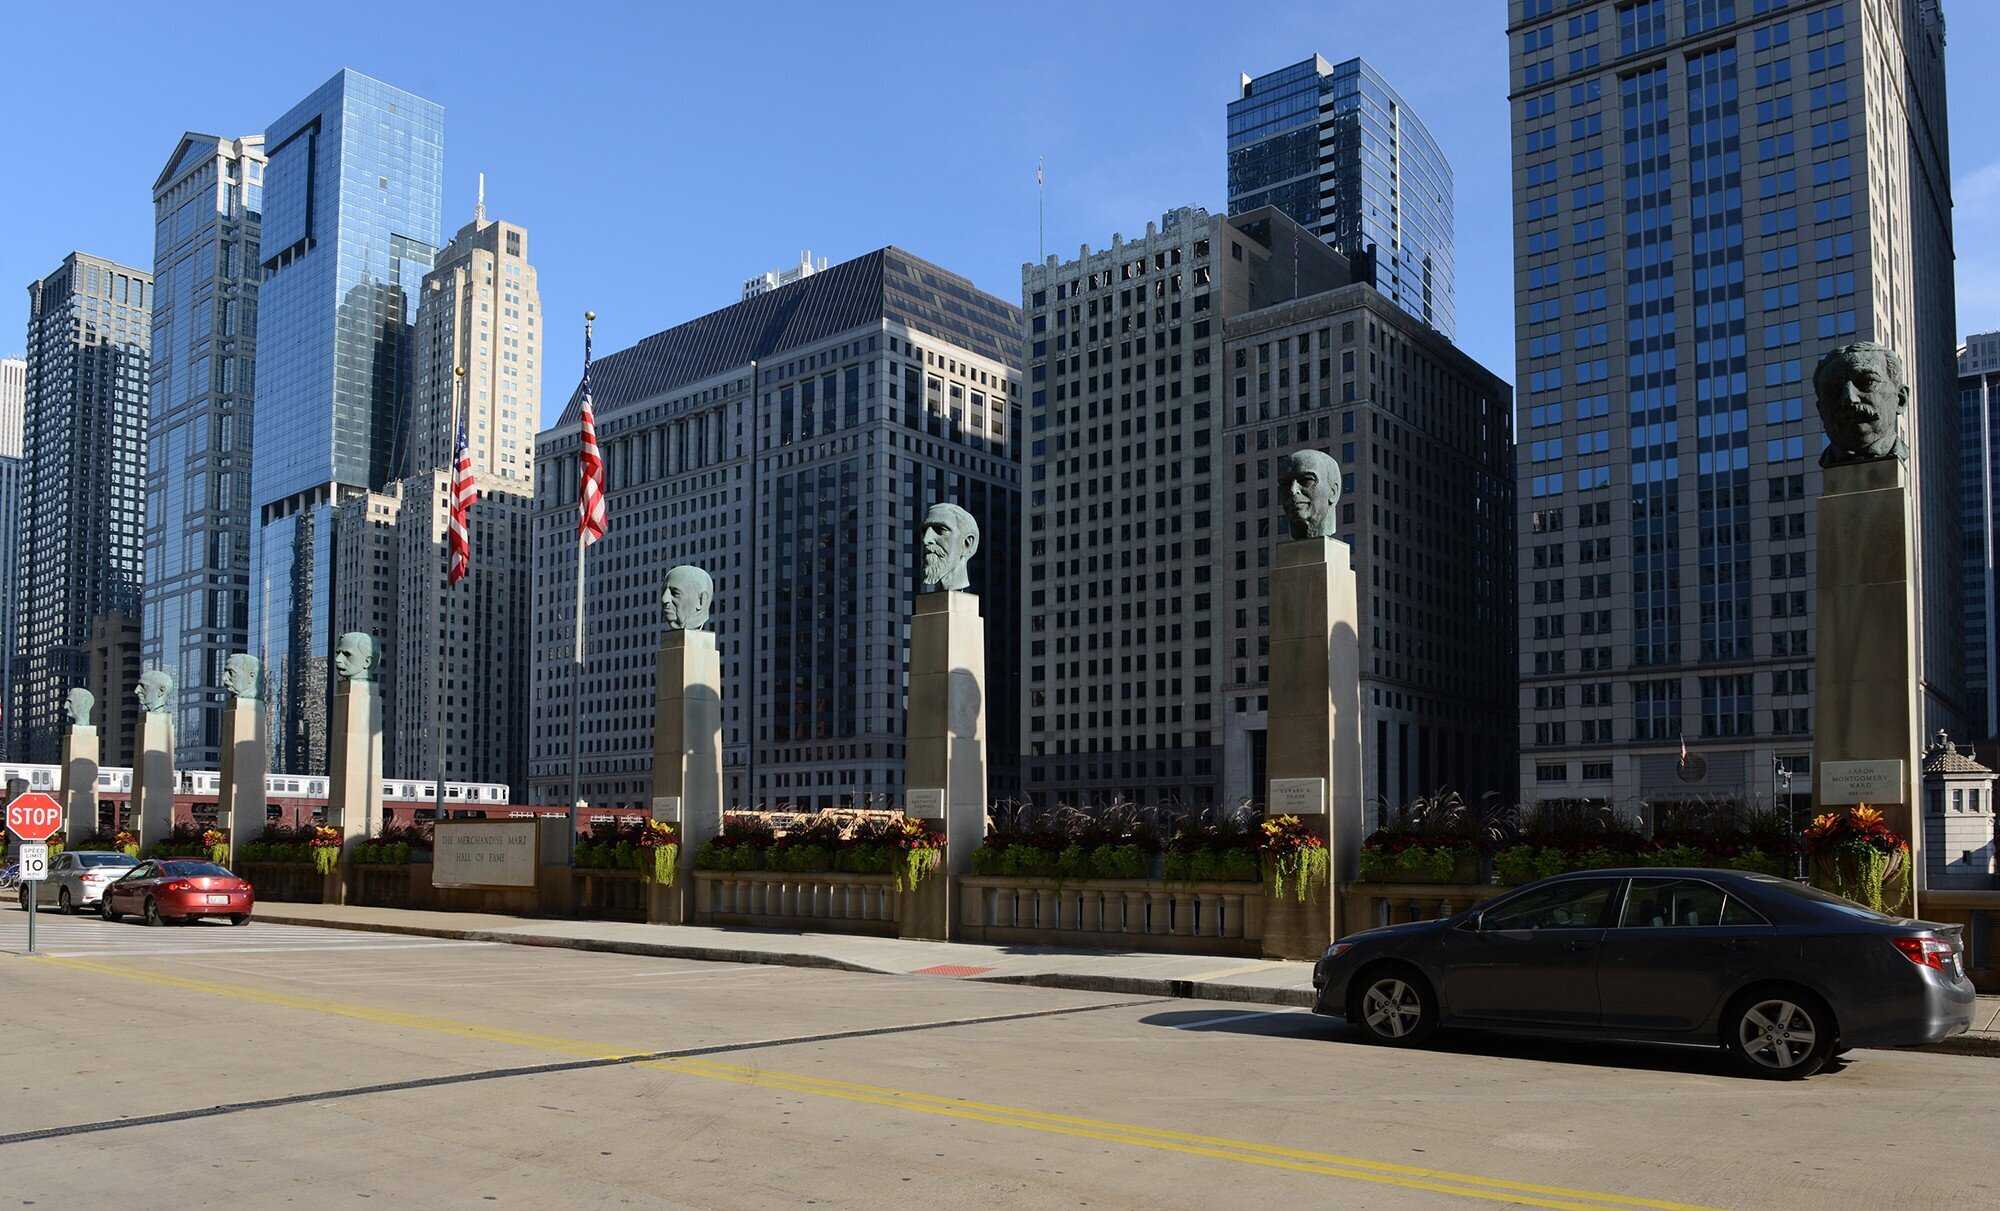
[1862,390]
[950,539]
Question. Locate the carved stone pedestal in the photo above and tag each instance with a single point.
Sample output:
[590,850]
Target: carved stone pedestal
[80,748]
[245,762]
[153,781]
[946,753]
[687,760]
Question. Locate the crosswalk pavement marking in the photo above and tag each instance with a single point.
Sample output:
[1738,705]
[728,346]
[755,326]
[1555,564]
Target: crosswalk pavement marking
[61,936]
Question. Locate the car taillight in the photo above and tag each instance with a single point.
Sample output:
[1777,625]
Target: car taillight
[178,885]
[1924,952]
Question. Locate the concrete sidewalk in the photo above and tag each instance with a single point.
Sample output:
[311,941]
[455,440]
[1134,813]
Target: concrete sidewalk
[1134,973]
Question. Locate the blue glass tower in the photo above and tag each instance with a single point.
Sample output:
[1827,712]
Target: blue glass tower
[352,218]
[1334,147]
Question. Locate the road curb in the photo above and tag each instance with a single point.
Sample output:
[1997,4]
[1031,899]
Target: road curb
[1115,985]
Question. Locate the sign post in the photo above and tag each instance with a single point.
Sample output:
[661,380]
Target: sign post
[33,818]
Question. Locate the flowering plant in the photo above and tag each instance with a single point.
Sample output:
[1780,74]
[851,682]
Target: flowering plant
[918,851]
[659,852]
[1857,855]
[217,841]
[128,841]
[1296,855]
[325,846]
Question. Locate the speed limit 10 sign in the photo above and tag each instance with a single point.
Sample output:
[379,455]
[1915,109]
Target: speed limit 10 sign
[34,862]
[34,816]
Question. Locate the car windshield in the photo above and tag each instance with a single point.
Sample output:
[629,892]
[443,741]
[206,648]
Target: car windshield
[103,860]
[186,869]
[1806,891]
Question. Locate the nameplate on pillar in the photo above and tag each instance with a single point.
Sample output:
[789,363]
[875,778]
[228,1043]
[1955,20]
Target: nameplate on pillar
[1298,797]
[667,808]
[925,804]
[1848,782]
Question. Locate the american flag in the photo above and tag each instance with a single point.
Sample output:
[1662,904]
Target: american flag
[590,503]
[464,494]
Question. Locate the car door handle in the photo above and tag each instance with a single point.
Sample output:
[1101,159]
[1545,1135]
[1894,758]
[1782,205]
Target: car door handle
[1578,947]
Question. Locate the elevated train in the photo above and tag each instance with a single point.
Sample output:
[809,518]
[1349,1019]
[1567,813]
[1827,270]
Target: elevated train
[114,780]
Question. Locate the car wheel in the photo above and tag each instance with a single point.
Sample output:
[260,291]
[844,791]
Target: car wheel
[1781,1034]
[105,910]
[239,918]
[1392,1005]
[65,903]
[153,916]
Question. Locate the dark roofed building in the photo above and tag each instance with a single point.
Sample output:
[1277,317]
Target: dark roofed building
[788,444]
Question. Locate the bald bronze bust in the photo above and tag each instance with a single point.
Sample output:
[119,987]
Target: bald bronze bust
[1308,489]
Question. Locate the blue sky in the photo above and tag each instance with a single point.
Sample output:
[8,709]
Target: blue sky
[660,154]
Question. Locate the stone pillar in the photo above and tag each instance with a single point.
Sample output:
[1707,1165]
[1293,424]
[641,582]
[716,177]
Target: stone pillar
[1314,747]
[245,762]
[354,769]
[687,759]
[946,754]
[1866,723]
[79,783]
[153,781]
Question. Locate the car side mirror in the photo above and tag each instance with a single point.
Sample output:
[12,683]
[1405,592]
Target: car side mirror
[1472,922]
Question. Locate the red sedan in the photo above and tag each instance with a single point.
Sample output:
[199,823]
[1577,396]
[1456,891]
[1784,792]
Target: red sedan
[178,890]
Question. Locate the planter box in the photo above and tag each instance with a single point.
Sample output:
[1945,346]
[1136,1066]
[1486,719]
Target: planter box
[1371,904]
[1464,871]
[1123,914]
[289,882]
[831,902]
[609,894]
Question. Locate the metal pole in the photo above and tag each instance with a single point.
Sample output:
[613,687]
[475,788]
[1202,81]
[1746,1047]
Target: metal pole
[576,665]
[441,597]
[34,896]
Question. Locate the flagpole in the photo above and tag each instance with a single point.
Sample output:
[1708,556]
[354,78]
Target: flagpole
[442,587]
[576,665]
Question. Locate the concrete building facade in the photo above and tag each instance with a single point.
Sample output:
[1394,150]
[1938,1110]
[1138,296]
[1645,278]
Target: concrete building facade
[1164,376]
[1337,149]
[13,404]
[1979,452]
[351,222]
[207,208]
[82,512]
[1707,197]
[790,445]
[11,475]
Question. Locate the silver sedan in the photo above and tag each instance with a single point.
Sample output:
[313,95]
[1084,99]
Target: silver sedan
[77,878]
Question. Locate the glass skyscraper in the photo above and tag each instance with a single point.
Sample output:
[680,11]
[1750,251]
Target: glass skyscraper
[207,204]
[1708,196]
[1334,147]
[352,217]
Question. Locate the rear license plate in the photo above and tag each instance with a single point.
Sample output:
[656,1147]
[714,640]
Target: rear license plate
[218,899]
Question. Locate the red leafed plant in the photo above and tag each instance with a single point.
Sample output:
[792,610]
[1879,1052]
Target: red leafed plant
[325,846]
[659,843]
[1296,856]
[1856,854]
[919,851]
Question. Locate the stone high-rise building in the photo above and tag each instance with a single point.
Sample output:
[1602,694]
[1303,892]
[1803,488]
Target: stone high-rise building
[351,222]
[82,512]
[1708,196]
[481,310]
[13,404]
[11,468]
[1334,147]
[1165,374]
[789,444]
[207,206]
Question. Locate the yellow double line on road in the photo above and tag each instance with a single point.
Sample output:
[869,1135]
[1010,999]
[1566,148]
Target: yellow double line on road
[1246,1152]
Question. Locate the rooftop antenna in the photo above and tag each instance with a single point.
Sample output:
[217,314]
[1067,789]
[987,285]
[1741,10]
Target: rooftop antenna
[479,207]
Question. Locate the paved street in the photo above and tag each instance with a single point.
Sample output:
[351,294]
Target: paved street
[445,1074]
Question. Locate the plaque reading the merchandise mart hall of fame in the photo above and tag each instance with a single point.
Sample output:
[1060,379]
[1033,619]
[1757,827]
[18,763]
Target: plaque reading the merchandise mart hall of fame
[925,803]
[1298,796]
[1849,782]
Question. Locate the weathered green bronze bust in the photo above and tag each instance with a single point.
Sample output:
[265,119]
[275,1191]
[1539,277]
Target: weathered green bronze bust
[1308,489]
[950,539]
[239,676]
[354,656]
[81,703]
[155,691]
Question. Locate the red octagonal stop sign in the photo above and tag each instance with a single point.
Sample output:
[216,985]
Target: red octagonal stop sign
[34,817]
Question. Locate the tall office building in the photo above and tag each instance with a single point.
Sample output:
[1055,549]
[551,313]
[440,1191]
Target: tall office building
[1979,487]
[82,507]
[1165,376]
[462,652]
[771,279]
[789,444]
[1334,147]
[1707,196]
[351,222]
[207,205]
[13,404]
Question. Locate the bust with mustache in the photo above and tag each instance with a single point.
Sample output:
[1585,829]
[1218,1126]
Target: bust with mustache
[950,538]
[1862,391]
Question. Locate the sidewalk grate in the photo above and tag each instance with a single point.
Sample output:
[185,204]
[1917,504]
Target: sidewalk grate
[951,969]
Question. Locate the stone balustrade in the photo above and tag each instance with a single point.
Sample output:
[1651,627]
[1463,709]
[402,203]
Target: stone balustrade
[831,902]
[1126,914]
[1371,904]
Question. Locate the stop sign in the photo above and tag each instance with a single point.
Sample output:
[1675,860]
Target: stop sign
[34,817]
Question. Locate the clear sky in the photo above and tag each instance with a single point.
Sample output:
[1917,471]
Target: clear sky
[661,153]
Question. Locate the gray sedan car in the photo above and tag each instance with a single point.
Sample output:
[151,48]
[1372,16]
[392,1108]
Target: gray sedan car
[77,878]
[1782,975]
